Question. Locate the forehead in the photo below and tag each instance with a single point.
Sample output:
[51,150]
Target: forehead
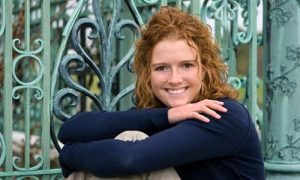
[172,50]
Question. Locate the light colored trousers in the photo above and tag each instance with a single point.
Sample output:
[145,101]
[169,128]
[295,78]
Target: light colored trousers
[164,174]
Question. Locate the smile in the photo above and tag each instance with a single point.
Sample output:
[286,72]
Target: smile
[176,91]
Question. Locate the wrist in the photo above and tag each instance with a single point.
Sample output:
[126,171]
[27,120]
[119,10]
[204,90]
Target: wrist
[171,117]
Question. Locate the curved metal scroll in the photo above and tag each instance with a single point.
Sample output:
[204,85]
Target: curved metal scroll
[105,71]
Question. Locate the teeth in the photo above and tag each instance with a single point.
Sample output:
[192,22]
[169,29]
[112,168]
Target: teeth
[176,91]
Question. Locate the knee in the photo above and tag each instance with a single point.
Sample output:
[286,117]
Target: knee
[131,136]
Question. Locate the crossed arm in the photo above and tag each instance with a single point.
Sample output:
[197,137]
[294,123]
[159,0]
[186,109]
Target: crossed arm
[90,147]
[85,127]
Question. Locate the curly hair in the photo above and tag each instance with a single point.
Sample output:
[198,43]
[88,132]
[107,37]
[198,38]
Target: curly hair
[171,23]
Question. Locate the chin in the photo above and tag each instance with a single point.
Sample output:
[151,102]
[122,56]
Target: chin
[173,105]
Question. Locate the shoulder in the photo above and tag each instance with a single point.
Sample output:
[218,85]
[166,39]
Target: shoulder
[237,120]
[233,104]
[235,110]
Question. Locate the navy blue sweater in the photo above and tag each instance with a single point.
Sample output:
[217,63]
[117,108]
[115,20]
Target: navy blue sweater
[228,148]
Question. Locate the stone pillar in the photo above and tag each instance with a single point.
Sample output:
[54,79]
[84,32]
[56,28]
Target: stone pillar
[281,128]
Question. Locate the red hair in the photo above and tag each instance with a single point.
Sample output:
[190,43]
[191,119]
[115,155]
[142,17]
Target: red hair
[171,23]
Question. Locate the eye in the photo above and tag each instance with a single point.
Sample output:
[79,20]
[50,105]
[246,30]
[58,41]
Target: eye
[160,68]
[188,65]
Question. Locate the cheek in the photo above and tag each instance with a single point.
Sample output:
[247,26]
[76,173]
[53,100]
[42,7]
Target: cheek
[155,79]
[153,82]
[199,81]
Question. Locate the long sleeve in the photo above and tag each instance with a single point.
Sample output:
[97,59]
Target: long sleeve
[85,127]
[187,142]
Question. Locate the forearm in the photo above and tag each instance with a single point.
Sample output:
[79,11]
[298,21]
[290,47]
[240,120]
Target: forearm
[85,127]
[181,144]
[102,158]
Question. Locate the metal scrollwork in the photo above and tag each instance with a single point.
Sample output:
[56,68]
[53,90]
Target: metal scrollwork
[84,23]
[63,94]
[123,93]
[27,58]
[235,82]
[31,55]
[134,11]
[223,9]
[37,158]
[128,57]
[106,71]
[38,92]
[40,73]
[282,82]
[249,19]
[72,84]
[37,42]
[226,12]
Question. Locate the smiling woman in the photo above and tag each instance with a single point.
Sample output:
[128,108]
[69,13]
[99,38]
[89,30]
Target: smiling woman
[176,76]
[185,106]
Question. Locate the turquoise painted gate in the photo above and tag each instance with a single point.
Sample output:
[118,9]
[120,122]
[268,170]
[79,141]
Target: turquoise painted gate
[60,57]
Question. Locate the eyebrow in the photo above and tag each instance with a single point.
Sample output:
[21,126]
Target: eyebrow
[184,61]
[192,60]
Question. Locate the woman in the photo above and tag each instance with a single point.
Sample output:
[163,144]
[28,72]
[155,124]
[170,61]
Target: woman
[178,69]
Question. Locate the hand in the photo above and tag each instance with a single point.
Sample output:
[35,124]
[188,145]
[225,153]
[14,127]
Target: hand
[195,110]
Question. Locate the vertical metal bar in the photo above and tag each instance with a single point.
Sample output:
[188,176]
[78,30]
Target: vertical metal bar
[46,86]
[218,27]
[163,3]
[252,71]
[27,94]
[195,7]
[265,78]
[179,4]
[27,129]
[8,85]
[2,25]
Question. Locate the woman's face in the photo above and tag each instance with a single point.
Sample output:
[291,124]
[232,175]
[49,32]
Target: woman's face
[176,73]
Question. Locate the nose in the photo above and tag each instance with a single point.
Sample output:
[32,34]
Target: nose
[175,77]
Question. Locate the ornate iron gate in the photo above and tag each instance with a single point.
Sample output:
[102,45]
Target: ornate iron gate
[64,56]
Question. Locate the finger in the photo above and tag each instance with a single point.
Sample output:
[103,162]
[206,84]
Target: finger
[217,107]
[212,113]
[212,104]
[208,102]
[200,117]
[217,102]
